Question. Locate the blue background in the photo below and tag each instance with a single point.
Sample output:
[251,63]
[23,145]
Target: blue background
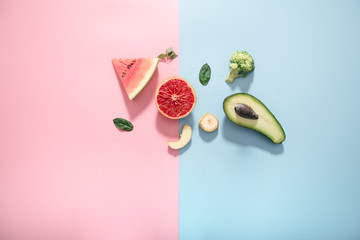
[235,183]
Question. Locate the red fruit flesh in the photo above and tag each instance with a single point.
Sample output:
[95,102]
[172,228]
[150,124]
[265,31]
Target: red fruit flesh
[175,98]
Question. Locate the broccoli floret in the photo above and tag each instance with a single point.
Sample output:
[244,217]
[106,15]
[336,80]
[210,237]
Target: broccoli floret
[241,64]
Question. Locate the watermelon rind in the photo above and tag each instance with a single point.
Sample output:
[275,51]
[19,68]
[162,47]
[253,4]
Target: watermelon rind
[146,79]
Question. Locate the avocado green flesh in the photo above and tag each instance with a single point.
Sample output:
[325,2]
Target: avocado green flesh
[266,123]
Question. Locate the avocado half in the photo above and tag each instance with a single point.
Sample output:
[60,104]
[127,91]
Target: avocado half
[247,111]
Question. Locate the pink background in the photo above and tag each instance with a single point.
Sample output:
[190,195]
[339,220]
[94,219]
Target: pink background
[66,172]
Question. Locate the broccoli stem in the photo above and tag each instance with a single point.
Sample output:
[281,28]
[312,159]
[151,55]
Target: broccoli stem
[234,73]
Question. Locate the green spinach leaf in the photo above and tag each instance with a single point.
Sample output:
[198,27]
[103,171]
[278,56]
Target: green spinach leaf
[205,74]
[123,124]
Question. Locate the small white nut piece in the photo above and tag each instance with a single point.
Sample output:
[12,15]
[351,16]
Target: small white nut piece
[209,122]
[185,137]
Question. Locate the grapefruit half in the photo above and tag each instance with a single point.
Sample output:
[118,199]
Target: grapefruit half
[175,98]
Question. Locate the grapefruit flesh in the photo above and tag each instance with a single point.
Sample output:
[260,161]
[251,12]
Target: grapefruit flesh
[175,98]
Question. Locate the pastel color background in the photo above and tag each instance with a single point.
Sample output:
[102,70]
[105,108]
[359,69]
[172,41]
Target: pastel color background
[66,172]
[235,183]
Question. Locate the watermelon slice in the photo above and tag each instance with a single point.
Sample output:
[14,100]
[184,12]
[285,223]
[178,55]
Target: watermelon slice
[134,73]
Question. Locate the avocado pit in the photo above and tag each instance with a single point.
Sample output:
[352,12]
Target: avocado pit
[246,111]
